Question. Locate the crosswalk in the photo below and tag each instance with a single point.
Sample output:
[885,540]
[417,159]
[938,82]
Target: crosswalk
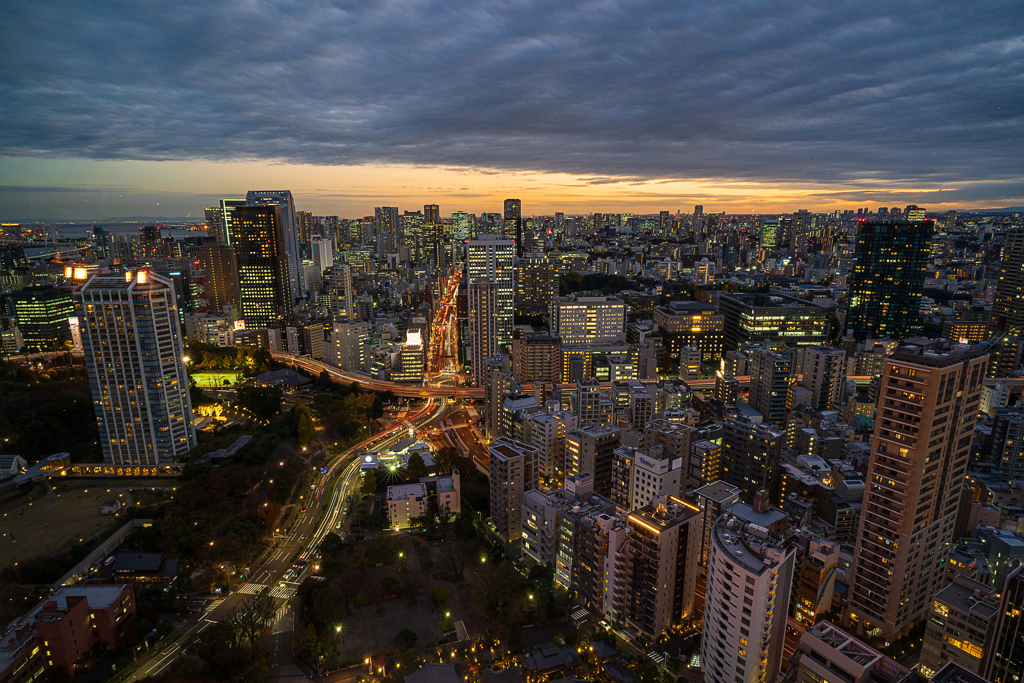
[282,592]
[275,591]
[215,604]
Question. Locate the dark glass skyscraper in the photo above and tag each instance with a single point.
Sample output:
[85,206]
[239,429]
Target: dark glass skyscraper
[262,264]
[888,278]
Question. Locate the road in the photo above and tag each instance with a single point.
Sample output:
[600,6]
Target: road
[324,507]
[315,367]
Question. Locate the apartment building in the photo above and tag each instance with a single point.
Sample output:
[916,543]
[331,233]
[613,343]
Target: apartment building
[639,475]
[930,393]
[749,579]
[513,472]
[591,449]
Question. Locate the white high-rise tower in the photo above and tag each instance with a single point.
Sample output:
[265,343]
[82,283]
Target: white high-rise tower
[135,358]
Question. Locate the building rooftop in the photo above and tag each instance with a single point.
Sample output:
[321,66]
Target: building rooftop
[748,545]
[969,596]
[658,516]
[98,597]
[407,491]
[719,491]
[954,673]
[434,673]
[851,656]
[688,307]
[747,513]
[137,562]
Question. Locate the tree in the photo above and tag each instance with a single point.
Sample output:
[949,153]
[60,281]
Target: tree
[416,467]
[307,431]
[515,639]
[369,483]
[263,402]
[252,617]
[406,638]
[446,458]
[454,559]
[438,596]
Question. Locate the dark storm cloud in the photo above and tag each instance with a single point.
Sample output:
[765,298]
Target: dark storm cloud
[860,91]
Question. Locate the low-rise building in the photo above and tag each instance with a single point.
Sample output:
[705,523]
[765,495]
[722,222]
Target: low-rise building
[830,655]
[960,626]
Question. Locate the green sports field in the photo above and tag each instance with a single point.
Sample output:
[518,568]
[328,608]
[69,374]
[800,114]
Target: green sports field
[215,379]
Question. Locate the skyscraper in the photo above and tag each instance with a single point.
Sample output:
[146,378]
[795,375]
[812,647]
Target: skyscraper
[322,251]
[226,213]
[922,438]
[482,300]
[220,274]
[339,293]
[304,225]
[386,222]
[258,238]
[1008,311]
[537,284]
[513,225]
[135,359]
[214,222]
[492,257]
[295,284]
[888,278]
[661,569]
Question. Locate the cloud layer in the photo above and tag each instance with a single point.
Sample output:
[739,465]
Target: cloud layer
[861,93]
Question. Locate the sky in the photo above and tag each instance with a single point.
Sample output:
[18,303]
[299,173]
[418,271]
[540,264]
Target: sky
[147,108]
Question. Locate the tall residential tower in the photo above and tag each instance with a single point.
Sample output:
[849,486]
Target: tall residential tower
[134,355]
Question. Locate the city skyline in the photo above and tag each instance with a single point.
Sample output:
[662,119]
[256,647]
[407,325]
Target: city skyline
[573,108]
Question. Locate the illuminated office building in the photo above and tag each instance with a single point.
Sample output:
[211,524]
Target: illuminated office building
[772,320]
[258,239]
[493,257]
[584,319]
[42,312]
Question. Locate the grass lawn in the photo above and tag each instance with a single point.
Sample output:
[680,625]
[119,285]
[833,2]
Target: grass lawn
[51,523]
[215,378]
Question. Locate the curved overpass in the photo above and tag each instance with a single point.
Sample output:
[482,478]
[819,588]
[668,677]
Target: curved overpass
[315,367]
